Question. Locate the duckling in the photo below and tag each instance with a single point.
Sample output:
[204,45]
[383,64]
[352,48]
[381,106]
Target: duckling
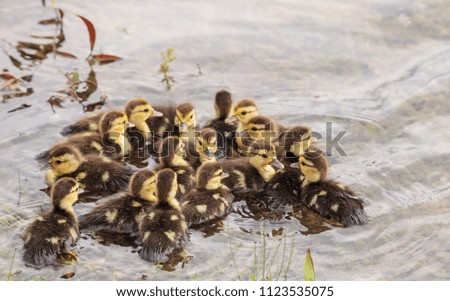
[171,155]
[86,124]
[210,199]
[110,142]
[121,212]
[176,121]
[163,227]
[138,111]
[94,173]
[223,106]
[244,110]
[204,149]
[293,143]
[327,197]
[53,232]
[257,128]
[252,173]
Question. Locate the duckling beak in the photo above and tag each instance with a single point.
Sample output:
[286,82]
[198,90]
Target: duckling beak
[157,114]
[231,119]
[294,165]
[183,127]
[277,164]
[225,175]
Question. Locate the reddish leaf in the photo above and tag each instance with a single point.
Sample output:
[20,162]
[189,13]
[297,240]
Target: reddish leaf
[61,13]
[7,76]
[104,58]
[91,30]
[66,54]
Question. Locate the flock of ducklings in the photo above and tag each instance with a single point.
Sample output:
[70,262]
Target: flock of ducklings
[199,173]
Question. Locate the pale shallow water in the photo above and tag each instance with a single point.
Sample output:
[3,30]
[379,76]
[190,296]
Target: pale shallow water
[376,69]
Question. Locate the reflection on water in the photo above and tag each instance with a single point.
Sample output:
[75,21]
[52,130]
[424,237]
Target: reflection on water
[378,71]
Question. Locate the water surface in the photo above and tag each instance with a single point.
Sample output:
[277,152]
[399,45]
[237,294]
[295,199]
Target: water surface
[378,70]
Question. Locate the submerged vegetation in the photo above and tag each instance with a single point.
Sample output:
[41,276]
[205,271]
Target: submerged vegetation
[167,58]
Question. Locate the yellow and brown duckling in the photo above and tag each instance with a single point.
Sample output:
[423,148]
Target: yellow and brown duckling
[210,199]
[138,111]
[203,150]
[293,143]
[94,173]
[252,173]
[178,120]
[327,197]
[52,233]
[244,110]
[257,128]
[163,228]
[110,142]
[223,106]
[121,212]
[172,155]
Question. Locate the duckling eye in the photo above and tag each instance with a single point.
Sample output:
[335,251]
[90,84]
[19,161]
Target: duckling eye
[199,142]
[254,129]
[264,156]
[192,116]
[244,113]
[58,162]
[146,110]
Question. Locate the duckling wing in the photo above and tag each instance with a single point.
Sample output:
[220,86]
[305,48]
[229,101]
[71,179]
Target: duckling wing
[118,213]
[88,124]
[200,206]
[48,236]
[331,199]
[284,188]
[97,173]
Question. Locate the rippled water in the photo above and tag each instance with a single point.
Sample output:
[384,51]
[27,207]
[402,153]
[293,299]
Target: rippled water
[378,70]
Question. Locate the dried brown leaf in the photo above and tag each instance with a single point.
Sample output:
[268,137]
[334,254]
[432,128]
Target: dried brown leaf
[65,54]
[68,275]
[23,106]
[103,59]
[91,30]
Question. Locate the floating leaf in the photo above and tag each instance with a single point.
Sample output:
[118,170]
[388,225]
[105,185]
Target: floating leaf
[65,54]
[27,78]
[68,275]
[7,76]
[49,21]
[23,106]
[55,101]
[308,269]
[91,30]
[103,59]
[252,277]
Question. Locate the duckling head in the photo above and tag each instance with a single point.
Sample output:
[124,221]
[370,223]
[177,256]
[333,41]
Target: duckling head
[139,110]
[313,165]
[244,110]
[223,104]
[210,175]
[166,188]
[260,128]
[263,154]
[65,160]
[113,122]
[296,140]
[143,185]
[185,117]
[64,193]
[172,152]
[206,142]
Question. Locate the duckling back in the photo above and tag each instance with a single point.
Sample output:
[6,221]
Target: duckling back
[333,200]
[162,228]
